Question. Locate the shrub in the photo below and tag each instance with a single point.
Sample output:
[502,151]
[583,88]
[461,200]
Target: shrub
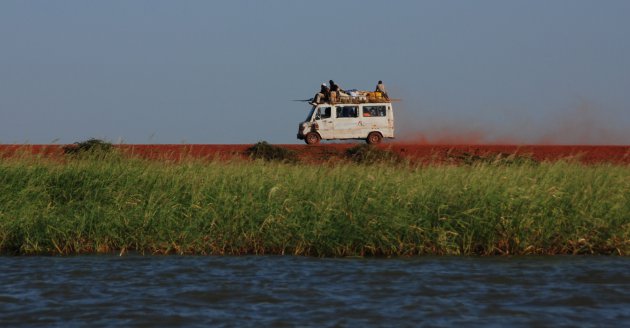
[91,146]
[268,152]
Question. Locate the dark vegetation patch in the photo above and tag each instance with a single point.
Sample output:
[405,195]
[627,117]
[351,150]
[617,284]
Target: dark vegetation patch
[369,154]
[91,146]
[325,154]
[361,154]
[491,159]
[265,151]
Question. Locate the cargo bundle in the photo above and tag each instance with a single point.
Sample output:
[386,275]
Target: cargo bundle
[357,97]
[336,95]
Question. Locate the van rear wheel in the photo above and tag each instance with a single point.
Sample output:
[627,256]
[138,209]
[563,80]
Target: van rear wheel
[312,138]
[374,138]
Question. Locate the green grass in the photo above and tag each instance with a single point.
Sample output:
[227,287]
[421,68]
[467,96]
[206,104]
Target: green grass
[117,204]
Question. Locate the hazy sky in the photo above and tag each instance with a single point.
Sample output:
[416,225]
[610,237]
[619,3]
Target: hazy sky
[226,71]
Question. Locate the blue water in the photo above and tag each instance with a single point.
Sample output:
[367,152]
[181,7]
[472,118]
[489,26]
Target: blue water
[298,291]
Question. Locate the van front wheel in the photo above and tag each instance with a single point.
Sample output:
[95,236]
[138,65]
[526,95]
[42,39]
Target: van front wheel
[312,138]
[374,138]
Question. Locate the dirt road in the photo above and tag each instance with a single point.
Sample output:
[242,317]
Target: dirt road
[324,152]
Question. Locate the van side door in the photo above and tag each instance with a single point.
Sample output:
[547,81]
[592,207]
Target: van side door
[347,121]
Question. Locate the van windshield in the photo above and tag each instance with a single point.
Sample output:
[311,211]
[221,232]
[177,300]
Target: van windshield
[310,114]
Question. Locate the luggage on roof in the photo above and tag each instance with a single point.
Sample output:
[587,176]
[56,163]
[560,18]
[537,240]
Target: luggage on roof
[360,96]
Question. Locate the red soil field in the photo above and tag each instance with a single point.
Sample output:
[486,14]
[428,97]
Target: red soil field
[325,152]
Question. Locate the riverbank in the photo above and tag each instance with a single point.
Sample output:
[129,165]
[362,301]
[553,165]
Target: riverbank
[119,204]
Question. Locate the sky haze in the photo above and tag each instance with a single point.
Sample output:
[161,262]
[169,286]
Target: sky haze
[227,71]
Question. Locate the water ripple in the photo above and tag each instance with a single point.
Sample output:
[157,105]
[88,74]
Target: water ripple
[297,291]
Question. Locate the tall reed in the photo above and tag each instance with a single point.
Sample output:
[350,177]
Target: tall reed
[119,204]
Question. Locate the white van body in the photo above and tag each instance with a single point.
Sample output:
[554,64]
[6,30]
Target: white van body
[369,121]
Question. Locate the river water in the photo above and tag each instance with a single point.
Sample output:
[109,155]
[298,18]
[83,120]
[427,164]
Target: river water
[300,291]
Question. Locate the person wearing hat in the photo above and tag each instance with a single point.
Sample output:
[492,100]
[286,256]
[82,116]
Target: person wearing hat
[323,94]
[380,87]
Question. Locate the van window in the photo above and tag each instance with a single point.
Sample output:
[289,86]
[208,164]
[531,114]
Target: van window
[347,111]
[374,111]
[322,112]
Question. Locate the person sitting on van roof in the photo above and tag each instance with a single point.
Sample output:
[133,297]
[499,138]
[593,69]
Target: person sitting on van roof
[322,95]
[380,87]
[335,91]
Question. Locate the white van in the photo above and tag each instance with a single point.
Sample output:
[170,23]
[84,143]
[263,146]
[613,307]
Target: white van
[369,121]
